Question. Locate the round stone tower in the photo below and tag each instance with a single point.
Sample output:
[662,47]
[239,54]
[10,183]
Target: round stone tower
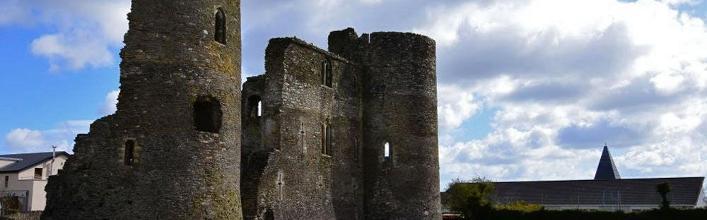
[172,148]
[401,163]
[180,106]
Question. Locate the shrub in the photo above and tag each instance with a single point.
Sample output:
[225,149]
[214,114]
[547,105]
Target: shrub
[520,206]
[471,199]
[10,205]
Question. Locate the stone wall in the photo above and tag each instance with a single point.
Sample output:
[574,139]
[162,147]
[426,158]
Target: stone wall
[173,148]
[383,89]
[174,77]
[299,180]
[400,108]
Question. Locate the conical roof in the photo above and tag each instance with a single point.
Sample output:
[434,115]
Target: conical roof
[606,169]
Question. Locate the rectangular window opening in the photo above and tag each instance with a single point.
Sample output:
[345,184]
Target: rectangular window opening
[38,173]
[129,157]
[386,151]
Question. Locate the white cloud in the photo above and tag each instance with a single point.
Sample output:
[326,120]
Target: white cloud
[573,75]
[28,140]
[455,106]
[24,138]
[110,104]
[73,51]
[87,31]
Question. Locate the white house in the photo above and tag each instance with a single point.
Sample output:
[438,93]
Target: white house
[25,176]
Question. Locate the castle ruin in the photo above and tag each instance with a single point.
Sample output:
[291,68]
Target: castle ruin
[348,133]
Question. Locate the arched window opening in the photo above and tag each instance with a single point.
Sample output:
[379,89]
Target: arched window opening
[387,151]
[327,75]
[129,157]
[255,107]
[207,114]
[220,29]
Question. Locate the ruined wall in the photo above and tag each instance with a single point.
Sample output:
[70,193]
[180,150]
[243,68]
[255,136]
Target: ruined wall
[295,178]
[383,90]
[178,110]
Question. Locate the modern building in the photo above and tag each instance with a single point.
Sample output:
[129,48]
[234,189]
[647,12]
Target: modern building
[25,175]
[606,192]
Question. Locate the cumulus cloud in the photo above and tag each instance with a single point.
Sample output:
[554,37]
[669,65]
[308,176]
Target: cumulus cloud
[85,32]
[29,140]
[61,135]
[577,74]
[110,103]
[25,138]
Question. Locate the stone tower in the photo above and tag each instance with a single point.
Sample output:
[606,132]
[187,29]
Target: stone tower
[349,133]
[172,149]
[400,127]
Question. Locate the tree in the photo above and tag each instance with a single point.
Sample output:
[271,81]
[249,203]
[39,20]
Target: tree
[471,199]
[663,189]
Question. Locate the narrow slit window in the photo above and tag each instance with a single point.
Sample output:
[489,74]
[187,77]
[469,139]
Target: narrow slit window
[220,29]
[207,115]
[355,149]
[255,107]
[327,77]
[386,151]
[7,181]
[129,157]
[326,139]
[329,139]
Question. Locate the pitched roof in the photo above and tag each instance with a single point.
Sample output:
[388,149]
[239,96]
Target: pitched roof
[685,191]
[606,169]
[27,160]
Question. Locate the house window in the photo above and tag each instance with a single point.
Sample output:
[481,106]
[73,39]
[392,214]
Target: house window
[129,157]
[220,32]
[327,77]
[387,151]
[38,173]
[207,114]
[7,181]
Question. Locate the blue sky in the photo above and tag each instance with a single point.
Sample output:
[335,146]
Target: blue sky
[527,89]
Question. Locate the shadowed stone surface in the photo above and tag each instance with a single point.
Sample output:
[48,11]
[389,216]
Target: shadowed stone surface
[170,61]
[313,127]
[382,90]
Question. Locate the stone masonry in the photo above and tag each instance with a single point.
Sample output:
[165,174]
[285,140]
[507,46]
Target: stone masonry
[172,149]
[317,123]
[348,133]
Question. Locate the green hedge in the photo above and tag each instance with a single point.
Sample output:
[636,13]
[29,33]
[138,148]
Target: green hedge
[689,214]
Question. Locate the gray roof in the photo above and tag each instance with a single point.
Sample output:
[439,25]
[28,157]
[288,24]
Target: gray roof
[685,191]
[606,169]
[27,160]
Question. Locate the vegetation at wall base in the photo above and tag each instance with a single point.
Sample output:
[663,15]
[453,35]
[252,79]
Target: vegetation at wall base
[10,205]
[472,199]
[657,214]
